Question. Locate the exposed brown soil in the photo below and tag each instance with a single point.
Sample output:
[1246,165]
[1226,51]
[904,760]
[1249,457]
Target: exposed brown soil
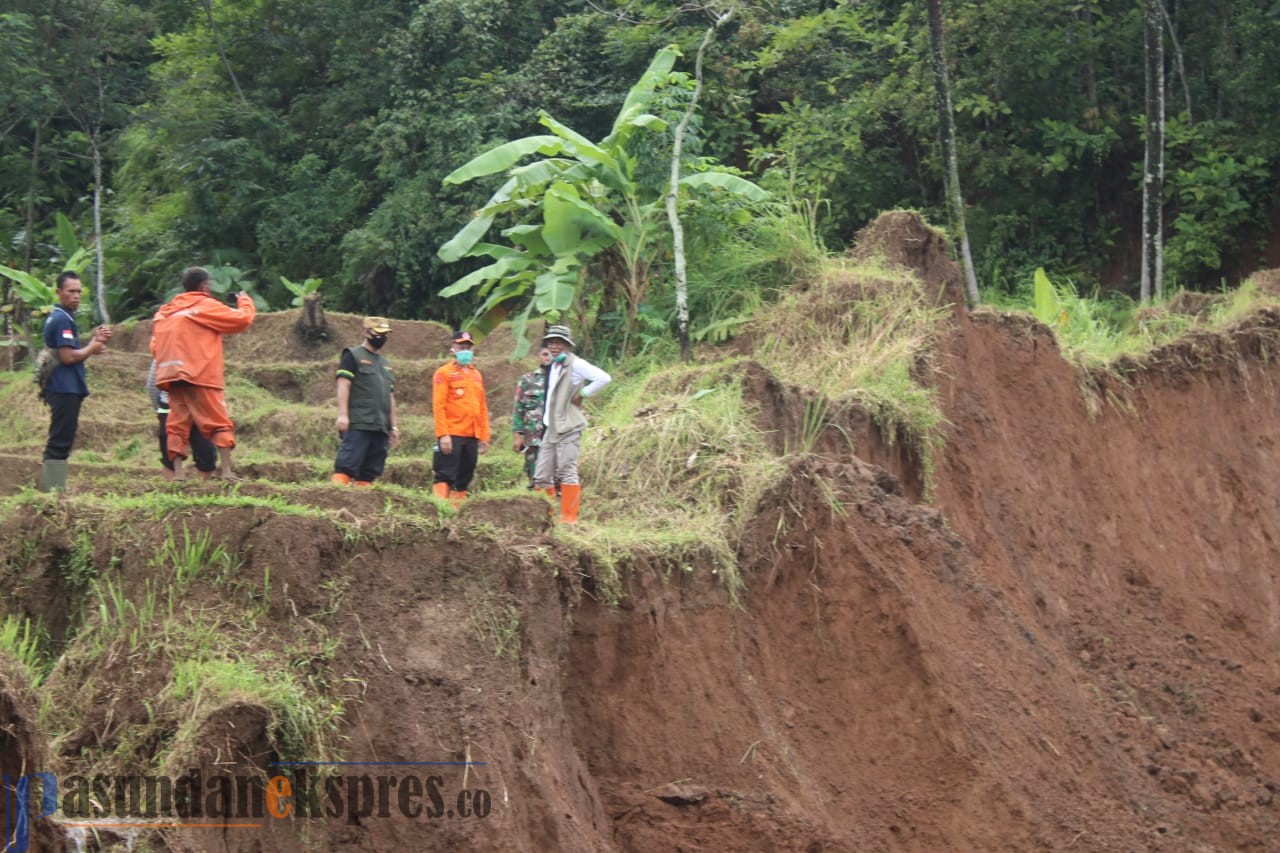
[1072,646]
[22,749]
[903,240]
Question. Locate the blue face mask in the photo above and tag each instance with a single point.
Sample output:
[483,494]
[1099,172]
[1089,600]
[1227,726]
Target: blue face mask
[464,356]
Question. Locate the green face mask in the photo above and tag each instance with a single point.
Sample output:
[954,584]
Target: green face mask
[560,358]
[464,356]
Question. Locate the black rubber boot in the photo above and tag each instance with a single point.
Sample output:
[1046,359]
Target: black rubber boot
[53,476]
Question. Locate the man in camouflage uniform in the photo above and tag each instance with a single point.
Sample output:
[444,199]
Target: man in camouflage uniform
[526,415]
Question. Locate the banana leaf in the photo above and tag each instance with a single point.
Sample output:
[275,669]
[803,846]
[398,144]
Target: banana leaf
[504,157]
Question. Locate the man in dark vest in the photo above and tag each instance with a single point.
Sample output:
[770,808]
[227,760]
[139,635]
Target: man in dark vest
[569,380]
[366,408]
[67,387]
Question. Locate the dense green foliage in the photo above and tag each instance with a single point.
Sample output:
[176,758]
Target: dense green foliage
[297,139]
[590,217]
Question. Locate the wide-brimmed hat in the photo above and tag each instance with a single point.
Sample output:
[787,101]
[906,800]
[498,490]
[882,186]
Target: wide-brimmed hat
[377,325]
[561,332]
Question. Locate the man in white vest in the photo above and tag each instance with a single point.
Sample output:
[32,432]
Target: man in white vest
[570,380]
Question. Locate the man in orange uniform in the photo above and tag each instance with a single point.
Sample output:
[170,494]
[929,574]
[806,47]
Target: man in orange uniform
[462,420]
[186,340]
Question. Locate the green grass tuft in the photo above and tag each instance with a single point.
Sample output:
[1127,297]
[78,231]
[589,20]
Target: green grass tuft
[1095,332]
[26,644]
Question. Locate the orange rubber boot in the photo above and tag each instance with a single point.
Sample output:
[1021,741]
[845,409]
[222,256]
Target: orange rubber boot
[441,490]
[362,483]
[342,479]
[457,498]
[551,493]
[570,502]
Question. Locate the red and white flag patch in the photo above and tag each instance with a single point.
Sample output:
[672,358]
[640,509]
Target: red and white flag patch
[67,335]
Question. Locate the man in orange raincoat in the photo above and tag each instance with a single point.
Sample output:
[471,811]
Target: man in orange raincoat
[186,340]
[462,420]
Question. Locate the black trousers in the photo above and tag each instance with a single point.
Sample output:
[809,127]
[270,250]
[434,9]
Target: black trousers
[202,449]
[363,454]
[63,423]
[457,468]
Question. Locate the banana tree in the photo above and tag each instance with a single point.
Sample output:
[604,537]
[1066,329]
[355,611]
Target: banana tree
[225,279]
[30,297]
[579,200]
[301,290]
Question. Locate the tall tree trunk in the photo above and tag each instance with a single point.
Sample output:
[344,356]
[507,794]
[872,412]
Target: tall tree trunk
[226,63]
[1153,160]
[50,39]
[33,188]
[946,126]
[100,291]
[95,141]
[1177,59]
[21,315]
[1090,73]
[673,194]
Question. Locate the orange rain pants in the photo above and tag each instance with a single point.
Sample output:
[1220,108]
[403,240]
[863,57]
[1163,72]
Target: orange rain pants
[206,408]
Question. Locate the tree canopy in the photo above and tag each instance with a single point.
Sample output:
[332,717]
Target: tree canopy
[298,139]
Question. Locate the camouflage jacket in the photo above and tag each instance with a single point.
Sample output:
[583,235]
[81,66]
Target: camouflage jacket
[526,414]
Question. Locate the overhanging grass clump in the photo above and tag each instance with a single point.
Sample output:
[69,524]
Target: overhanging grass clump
[866,335]
[209,642]
[678,465]
[305,722]
[153,627]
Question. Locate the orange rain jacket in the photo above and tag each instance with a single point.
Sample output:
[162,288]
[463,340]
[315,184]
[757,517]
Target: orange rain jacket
[458,402]
[186,337]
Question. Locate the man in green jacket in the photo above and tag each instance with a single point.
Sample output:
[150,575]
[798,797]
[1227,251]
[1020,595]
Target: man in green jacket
[366,408]
[569,381]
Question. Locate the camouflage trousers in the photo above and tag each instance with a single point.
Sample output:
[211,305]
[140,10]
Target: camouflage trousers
[530,462]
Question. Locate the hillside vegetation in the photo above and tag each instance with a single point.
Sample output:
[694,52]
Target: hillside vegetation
[302,141]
